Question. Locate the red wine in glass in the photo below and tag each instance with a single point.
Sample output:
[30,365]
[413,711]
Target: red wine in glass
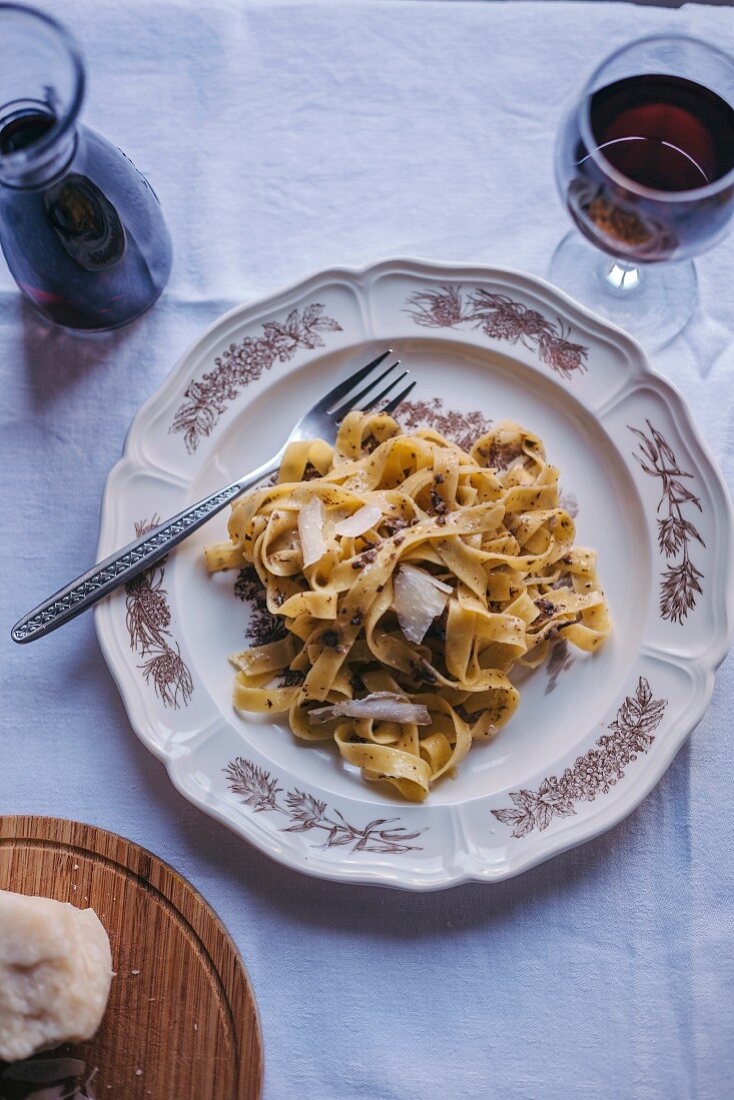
[654,141]
[664,132]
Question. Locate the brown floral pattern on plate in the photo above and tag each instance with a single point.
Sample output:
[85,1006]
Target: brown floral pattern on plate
[259,790]
[594,773]
[463,428]
[205,399]
[501,318]
[681,580]
[147,618]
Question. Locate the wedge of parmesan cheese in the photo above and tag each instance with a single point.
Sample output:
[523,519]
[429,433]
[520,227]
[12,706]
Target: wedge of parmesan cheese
[55,974]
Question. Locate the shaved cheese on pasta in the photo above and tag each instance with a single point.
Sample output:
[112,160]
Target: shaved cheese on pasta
[439,584]
[360,522]
[311,531]
[381,706]
[418,601]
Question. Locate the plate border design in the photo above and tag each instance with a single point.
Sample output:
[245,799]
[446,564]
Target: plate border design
[501,318]
[206,398]
[147,618]
[462,856]
[592,774]
[681,580]
[260,791]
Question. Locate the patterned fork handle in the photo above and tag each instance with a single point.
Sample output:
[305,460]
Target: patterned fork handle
[134,558]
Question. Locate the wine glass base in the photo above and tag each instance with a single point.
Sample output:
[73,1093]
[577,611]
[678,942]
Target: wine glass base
[653,302]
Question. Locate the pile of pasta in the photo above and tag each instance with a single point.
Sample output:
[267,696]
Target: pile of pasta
[411,576]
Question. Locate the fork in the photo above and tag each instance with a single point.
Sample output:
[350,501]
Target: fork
[321,421]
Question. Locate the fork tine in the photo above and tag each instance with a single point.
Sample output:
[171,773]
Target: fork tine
[398,399]
[352,402]
[334,395]
[376,400]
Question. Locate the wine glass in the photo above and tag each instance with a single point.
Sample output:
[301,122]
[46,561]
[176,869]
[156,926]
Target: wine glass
[645,165]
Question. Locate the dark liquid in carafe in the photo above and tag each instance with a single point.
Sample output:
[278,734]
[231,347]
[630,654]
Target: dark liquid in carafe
[23,131]
[88,247]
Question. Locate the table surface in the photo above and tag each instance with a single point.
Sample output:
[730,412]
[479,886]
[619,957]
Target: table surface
[282,138]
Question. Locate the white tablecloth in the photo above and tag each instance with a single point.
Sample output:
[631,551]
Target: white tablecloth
[281,138]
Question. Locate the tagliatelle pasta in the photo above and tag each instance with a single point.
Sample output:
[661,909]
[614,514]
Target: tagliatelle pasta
[429,572]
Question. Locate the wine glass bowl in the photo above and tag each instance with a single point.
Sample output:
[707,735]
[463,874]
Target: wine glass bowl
[645,166]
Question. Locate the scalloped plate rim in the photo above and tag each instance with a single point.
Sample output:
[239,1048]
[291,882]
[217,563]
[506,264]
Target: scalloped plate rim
[641,373]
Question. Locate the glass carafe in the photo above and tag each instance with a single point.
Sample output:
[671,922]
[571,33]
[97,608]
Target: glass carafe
[80,227]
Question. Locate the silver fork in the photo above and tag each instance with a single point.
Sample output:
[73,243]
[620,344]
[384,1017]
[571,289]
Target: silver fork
[321,421]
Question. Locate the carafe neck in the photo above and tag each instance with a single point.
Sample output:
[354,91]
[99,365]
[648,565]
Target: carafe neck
[34,149]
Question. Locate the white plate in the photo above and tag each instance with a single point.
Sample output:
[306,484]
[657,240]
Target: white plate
[591,735]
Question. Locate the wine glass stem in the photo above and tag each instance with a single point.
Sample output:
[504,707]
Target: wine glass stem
[621,277]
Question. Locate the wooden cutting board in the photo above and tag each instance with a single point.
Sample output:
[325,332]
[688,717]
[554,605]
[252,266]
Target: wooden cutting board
[181,1023]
